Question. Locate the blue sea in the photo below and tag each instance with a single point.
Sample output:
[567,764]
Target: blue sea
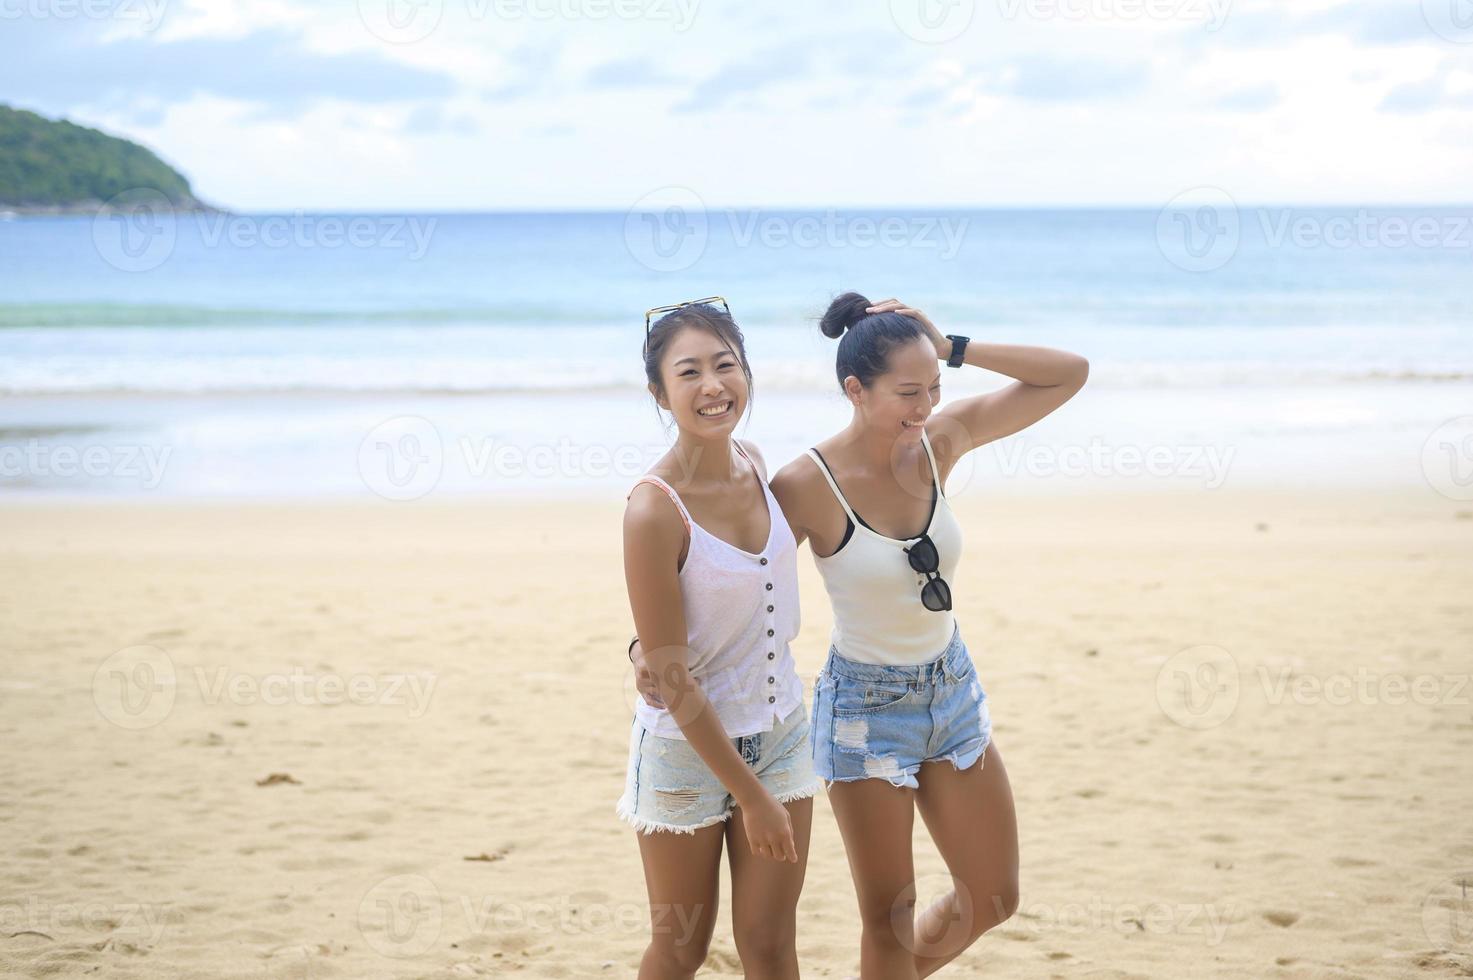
[404,356]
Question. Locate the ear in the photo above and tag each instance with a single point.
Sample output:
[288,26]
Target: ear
[659,398]
[853,390]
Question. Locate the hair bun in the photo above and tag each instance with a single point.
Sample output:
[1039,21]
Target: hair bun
[843,313]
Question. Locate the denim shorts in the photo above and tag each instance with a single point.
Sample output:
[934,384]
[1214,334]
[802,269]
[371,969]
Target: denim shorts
[668,786]
[872,721]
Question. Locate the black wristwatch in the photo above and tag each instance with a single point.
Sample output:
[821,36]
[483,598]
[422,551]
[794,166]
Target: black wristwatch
[958,349]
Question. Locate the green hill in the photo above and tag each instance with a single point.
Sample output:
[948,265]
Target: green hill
[53,166]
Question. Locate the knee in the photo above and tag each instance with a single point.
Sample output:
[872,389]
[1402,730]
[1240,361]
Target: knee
[889,925]
[1000,903]
[766,949]
[677,955]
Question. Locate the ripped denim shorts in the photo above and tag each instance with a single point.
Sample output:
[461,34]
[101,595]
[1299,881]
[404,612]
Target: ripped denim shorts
[872,721]
[668,786]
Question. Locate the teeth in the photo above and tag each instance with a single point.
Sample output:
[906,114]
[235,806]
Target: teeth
[715,409]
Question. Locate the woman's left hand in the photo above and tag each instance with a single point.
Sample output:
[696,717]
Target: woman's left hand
[937,338]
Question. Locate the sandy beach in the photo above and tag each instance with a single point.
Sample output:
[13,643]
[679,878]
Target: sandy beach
[355,740]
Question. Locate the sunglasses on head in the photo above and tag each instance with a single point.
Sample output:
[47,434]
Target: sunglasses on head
[926,560]
[649,315]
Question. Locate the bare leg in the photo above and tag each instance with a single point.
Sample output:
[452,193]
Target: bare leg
[971,818]
[764,898]
[876,819]
[682,876]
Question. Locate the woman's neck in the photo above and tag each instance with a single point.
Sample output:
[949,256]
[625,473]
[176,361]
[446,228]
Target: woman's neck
[704,460]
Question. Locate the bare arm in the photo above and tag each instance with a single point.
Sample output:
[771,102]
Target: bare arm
[653,538]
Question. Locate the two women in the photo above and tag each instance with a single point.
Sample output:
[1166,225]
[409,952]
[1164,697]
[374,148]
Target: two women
[900,720]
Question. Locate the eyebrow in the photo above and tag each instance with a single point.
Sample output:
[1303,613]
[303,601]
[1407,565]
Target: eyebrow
[697,360]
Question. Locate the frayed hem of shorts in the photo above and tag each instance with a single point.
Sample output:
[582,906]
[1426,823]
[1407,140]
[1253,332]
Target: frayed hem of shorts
[806,793]
[643,826]
[979,759]
[905,782]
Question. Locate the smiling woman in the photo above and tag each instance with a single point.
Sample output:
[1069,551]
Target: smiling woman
[723,761]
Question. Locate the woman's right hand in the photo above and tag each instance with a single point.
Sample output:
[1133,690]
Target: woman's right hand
[769,828]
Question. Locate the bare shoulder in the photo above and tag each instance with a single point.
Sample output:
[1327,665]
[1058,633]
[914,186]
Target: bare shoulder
[650,514]
[797,481]
[750,448]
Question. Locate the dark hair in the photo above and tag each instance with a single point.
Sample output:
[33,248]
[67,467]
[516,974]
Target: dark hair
[701,316]
[865,339]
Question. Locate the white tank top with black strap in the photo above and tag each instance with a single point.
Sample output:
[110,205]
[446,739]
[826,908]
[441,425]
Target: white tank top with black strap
[876,595]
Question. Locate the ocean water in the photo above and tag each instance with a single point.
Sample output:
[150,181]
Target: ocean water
[404,355]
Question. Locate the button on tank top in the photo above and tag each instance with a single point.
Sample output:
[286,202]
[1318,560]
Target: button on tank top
[876,595]
[741,614]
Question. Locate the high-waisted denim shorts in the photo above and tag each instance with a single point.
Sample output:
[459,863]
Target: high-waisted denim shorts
[668,786]
[877,722]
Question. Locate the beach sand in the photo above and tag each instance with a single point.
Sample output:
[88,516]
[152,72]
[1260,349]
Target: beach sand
[185,795]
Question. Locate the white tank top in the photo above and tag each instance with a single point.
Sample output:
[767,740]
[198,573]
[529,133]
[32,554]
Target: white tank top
[741,614]
[876,595]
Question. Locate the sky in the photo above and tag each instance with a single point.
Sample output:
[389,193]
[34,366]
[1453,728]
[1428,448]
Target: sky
[601,104]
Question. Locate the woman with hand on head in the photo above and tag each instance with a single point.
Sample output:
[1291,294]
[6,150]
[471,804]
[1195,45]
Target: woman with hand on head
[900,719]
[722,754]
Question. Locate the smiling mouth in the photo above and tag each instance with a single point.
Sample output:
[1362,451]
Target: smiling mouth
[912,425]
[715,411]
